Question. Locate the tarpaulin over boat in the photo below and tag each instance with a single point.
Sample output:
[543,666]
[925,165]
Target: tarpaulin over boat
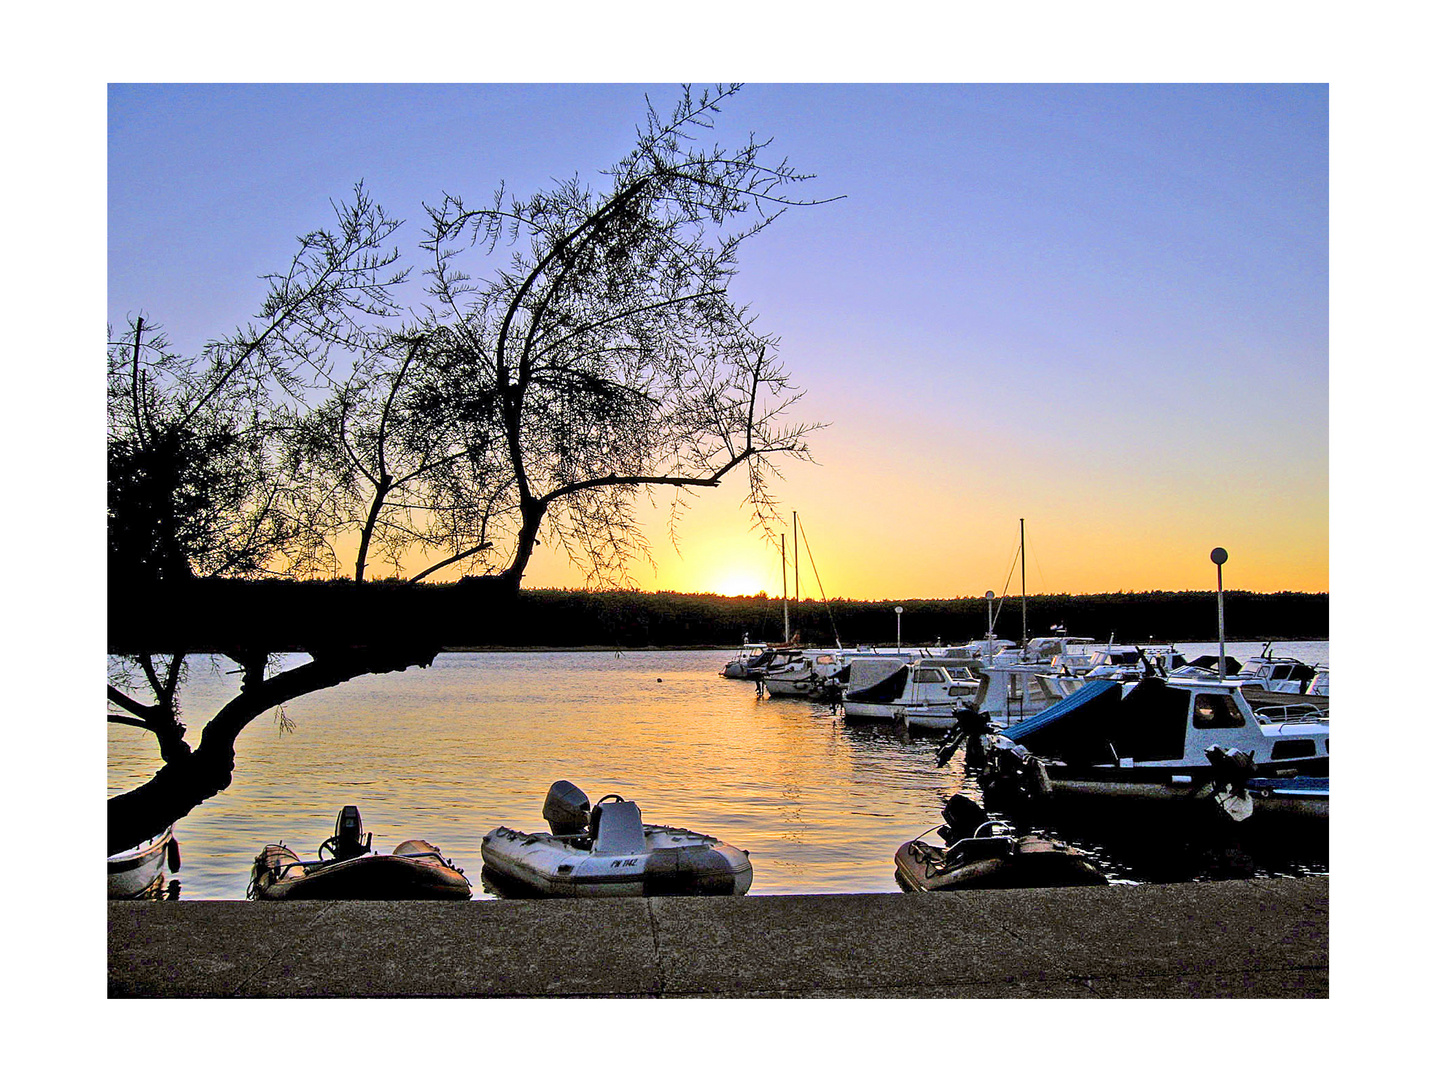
[1100,723]
[1066,727]
[887,689]
[1232,666]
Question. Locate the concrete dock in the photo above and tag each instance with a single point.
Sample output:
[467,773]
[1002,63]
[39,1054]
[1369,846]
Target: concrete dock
[1262,938]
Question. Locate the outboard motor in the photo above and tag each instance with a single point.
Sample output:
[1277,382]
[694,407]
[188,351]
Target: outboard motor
[347,842]
[962,818]
[567,809]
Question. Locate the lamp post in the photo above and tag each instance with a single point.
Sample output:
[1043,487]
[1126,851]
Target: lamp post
[989,625]
[898,610]
[1218,557]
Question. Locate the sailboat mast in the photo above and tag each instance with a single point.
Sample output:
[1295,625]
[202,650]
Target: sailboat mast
[1024,626]
[795,527]
[785,585]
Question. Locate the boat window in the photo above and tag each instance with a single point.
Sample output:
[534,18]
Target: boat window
[1217,711]
[1252,667]
[1292,748]
[928,675]
[1282,672]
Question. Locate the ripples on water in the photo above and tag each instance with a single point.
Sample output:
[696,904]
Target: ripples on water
[447,753]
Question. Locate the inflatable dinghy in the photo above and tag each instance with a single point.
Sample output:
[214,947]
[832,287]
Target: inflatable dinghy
[607,851]
[414,871]
[981,853]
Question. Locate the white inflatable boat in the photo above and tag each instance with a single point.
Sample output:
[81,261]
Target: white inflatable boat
[608,851]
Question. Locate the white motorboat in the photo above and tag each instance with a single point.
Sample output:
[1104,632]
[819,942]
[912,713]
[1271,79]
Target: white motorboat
[804,675]
[747,660]
[922,694]
[1157,741]
[139,871]
[1277,674]
[606,850]
[1120,663]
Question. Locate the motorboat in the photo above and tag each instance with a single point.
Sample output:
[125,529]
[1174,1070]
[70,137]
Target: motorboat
[139,871]
[1120,663]
[978,851]
[1011,693]
[922,694]
[748,660]
[1278,674]
[348,869]
[1176,741]
[807,674]
[607,850]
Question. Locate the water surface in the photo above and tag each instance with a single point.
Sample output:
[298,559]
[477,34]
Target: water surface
[450,752]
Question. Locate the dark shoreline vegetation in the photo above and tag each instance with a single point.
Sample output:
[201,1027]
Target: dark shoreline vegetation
[303,616]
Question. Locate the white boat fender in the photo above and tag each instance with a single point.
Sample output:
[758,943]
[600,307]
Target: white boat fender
[1237,805]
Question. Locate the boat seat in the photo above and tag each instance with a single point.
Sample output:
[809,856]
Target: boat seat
[617,828]
[984,847]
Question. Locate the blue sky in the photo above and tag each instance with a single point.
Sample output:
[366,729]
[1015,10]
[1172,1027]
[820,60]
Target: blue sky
[1100,307]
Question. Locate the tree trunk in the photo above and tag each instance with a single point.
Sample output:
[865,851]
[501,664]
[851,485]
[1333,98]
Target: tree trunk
[182,785]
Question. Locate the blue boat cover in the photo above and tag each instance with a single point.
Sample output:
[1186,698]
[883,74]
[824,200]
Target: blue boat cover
[1102,723]
[1087,693]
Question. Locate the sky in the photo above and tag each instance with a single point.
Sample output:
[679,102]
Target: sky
[1102,308]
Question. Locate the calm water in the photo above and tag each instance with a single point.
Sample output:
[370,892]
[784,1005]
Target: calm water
[447,753]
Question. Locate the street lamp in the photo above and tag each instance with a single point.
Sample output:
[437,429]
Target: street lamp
[1218,557]
[989,625]
[898,610]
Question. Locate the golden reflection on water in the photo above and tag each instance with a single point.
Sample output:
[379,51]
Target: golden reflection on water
[448,753]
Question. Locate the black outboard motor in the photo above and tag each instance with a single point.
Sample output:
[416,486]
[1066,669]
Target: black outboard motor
[962,817]
[567,809]
[347,842]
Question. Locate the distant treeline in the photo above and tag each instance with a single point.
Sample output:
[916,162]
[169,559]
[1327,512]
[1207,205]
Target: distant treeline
[301,616]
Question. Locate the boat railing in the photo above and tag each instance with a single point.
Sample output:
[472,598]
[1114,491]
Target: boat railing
[1284,714]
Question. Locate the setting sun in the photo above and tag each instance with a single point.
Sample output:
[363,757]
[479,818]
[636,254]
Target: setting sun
[738,582]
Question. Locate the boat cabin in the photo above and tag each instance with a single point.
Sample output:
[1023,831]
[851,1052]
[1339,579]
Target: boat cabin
[1166,723]
[1278,673]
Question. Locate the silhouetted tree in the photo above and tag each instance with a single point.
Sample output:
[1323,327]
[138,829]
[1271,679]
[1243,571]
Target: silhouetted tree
[579,347]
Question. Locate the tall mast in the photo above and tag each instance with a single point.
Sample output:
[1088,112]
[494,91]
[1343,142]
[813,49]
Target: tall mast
[795,526]
[785,585]
[1024,626]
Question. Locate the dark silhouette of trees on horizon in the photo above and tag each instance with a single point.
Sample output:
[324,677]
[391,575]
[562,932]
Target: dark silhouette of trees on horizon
[576,347]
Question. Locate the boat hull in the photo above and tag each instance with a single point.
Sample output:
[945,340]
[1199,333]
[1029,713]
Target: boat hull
[139,870]
[1298,802]
[1034,863]
[416,871]
[676,862]
[1302,797]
